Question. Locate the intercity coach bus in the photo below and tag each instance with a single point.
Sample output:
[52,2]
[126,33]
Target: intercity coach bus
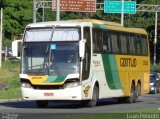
[84,60]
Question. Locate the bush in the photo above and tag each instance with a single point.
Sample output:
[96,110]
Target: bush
[155,68]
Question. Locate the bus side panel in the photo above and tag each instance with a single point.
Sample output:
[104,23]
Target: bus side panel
[134,68]
[104,70]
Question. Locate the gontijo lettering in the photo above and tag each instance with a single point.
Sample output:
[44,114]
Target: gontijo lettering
[128,62]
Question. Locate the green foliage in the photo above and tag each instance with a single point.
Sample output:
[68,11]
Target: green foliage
[152,112]
[155,68]
[12,93]
[9,75]
[2,3]
[18,13]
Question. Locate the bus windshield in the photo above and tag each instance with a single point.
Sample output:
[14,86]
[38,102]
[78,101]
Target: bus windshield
[52,34]
[55,59]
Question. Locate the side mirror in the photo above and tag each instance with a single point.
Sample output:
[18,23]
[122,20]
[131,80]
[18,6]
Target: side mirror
[82,48]
[16,48]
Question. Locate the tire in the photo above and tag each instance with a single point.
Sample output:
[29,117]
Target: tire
[84,103]
[158,90]
[95,95]
[121,100]
[42,104]
[138,89]
[133,95]
[155,90]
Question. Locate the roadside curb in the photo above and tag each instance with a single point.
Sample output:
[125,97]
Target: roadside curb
[11,100]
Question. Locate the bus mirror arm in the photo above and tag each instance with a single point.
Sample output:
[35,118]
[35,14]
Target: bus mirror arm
[82,48]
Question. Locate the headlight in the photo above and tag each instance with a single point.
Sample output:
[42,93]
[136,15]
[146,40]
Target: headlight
[26,85]
[152,88]
[70,85]
[151,84]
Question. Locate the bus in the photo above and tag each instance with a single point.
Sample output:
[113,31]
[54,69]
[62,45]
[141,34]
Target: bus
[84,60]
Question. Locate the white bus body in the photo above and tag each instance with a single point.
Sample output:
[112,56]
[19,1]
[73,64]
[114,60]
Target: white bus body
[59,63]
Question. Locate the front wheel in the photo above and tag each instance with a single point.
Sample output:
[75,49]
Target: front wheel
[158,90]
[155,90]
[42,103]
[95,95]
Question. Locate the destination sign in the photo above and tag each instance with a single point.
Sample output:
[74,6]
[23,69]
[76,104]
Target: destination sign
[76,5]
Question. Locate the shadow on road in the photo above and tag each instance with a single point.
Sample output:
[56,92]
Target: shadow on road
[152,95]
[19,104]
[59,105]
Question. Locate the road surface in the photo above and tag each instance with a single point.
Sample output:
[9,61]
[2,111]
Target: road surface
[103,106]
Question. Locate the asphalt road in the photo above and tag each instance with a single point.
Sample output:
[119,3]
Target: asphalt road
[104,106]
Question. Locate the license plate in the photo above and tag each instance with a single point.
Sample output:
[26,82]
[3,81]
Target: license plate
[48,94]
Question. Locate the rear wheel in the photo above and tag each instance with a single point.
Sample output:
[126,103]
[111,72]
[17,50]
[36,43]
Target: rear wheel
[138,89]
[133,95]
[42,103]
[95,95]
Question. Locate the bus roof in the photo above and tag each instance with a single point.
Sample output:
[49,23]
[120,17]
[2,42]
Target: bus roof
[112,26]
[59,24]
[91,23]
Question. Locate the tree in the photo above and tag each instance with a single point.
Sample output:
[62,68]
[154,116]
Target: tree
[2,3]
[16,15]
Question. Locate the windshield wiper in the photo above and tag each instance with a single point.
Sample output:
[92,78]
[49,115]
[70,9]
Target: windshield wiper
[50,50]
[46,63]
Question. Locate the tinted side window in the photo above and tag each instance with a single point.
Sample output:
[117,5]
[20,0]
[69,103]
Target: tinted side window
[114,42]
[106,42]
[138,43]
[132,49]
[145,45]
[97,40]
[123,41]
[87,59]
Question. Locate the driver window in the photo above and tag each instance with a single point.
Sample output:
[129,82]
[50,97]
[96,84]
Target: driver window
[86,60]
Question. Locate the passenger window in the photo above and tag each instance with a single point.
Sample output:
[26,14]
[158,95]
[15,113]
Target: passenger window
[138,41]
[97,40]
[132,44]
[114,42]
[106,42]
[87,59]
[145,45]
[123,41]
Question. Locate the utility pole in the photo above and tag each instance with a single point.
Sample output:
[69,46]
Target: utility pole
[1,38]
[155,38]
[122,13]
[34,11]
[43,13]
[58,10]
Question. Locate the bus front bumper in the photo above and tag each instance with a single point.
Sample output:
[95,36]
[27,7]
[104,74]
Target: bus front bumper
[73,93]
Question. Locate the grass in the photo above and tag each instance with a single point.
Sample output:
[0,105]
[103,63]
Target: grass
[153,113]
[9,75]
[149,110]
[98,116]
